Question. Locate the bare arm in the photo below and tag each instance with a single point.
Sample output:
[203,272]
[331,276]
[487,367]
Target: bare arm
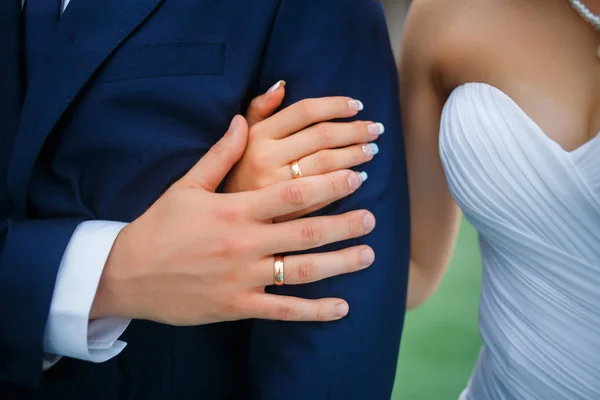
[434,214]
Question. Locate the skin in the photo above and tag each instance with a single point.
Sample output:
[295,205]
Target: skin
[166,266]
[539,52]
[319,149]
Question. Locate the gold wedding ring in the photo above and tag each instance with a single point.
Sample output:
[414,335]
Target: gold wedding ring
[296,172]
[278,271]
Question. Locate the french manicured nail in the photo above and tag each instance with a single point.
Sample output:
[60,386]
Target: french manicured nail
[376,129]
[367,256]
[341,310]
[369,222]
[363,176]
[276,86]
[356,105]
[370,149]
[354,181]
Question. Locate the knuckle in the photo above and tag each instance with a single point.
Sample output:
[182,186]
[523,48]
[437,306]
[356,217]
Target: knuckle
[285,313]
[233,245]
[355,228]
[324,160]
[256,105]
[324,133]
[263,157]
[307,270]
[259,161]
[292,194]
[237,273]
[311,233]
[308,108]
[320,313]
[337,185]
[232,212]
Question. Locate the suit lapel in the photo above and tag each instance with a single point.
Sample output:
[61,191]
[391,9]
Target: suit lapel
[88,32]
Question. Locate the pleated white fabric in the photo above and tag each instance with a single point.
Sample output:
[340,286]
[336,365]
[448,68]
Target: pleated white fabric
[537,210]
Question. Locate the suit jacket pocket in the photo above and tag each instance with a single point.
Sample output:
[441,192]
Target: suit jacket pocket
[165,59]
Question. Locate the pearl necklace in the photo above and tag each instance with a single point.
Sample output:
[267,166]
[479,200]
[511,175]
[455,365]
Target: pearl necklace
[588,16]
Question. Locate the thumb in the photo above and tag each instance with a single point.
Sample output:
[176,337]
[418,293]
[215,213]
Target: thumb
[215,165]
[263,106]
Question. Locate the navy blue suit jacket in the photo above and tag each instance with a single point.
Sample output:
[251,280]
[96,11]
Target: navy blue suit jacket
[130,95]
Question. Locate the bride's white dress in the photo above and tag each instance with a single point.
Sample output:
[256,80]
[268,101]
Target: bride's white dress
[537,210]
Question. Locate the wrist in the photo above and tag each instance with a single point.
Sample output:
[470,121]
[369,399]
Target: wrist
[110,299]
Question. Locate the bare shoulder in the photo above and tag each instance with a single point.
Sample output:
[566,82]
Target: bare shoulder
[442,37]
[430,26]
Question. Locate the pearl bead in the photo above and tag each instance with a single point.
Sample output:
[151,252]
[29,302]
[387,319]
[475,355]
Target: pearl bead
[586,14]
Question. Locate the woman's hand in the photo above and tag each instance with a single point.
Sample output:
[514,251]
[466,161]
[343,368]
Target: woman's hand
[299,133]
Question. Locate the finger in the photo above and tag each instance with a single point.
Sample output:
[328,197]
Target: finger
[314,232]
[312,209]
[295,195]
[266,104]
[308,268]
[306,113]
[329,135]
[211,169]
[286,308]
[326,161]
[302,213]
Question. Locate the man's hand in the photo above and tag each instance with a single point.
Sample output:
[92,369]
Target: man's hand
[197,257]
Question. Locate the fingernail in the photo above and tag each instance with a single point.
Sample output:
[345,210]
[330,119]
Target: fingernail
[235,123]
[369,222]
[363,176]
[356,105]
[276,86]
[367,256]
[376,129]
[341,310]
[354,180]
[370,149]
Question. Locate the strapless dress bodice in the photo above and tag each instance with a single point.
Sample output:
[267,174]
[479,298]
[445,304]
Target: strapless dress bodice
[536,208]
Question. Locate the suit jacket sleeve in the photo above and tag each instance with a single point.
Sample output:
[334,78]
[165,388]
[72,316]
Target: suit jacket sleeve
[325,48]
[30,250]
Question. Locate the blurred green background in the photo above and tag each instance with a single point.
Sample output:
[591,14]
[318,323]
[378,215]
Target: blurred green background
[440,343]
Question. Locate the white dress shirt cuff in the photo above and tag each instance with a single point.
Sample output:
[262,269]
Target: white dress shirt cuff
[69,332]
